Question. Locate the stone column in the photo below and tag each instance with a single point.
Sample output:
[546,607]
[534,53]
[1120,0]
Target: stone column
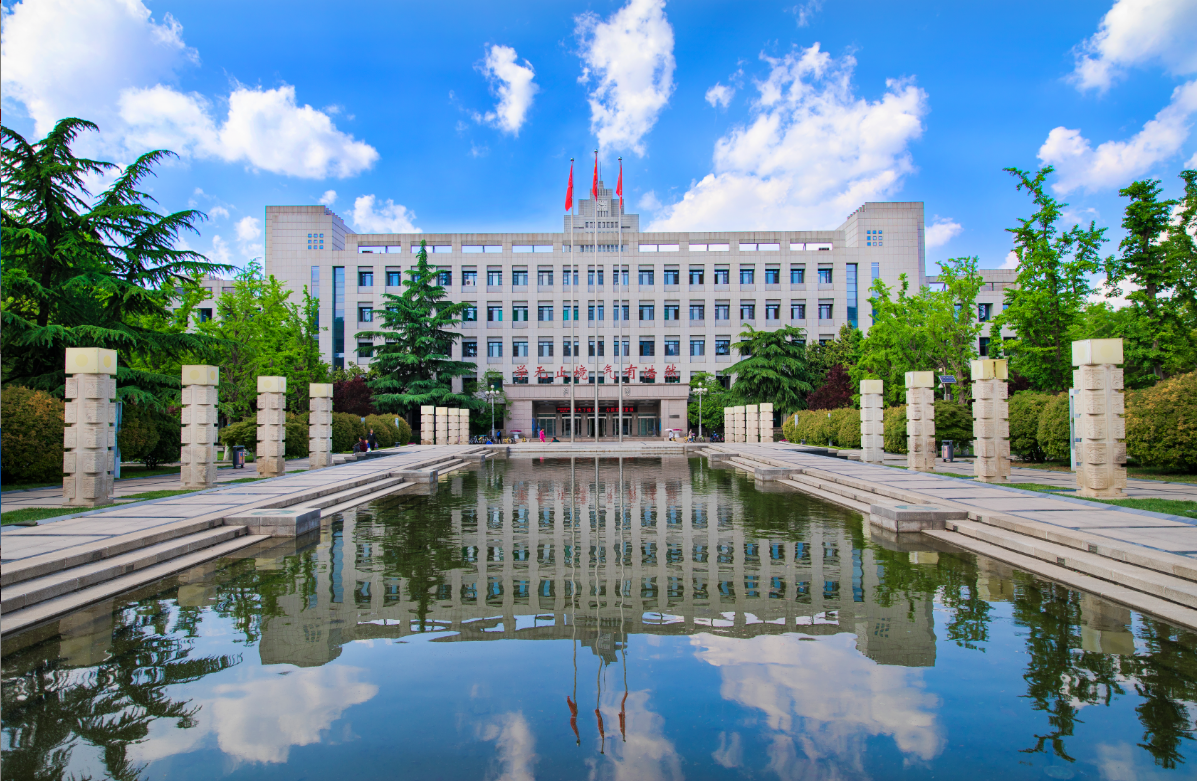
[920,421]
[89,435]
[320,424]
[463,425]
[872,421]
[427,425]
[272,426]
[454,428]
[729,424]
[765,428]
[991,421]
[737,424]
[442,425]
[752,421]
[198,468]
[1101,427]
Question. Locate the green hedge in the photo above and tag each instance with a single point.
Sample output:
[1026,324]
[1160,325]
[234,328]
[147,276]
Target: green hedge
[1161,424]
[1053,428]
[31,447]
[895,429]
[346,428]
[151,436]
[1026,407]
[299,437]
[384,429]
[810,426]
[845,423]
[953,421]
[243,433]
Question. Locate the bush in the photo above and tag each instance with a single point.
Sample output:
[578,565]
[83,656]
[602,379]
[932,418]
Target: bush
[788,431]
[1161,424]
[953,421]
[243,433]
[403,432]
[895,429]
[1053,428]
[353,396]
[1026,407]
[170,440]
[32,436]
[298,436]
[151,436]
[346,429]
[845,424]
[384,429]
[834,393]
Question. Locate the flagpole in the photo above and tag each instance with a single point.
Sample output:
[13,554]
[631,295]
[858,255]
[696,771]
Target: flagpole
[573,420]
[594,208]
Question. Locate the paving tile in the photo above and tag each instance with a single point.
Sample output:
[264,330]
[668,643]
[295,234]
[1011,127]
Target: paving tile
[1019,504]
[1096,519]
[1174,539]
[950,492]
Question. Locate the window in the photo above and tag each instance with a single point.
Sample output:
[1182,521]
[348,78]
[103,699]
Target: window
[481,248]
[568,348]
[315,241]
[569,276]
[797,310]
[544,277]
[697,312]
[619,277]
[532,248]
[673,346]
[621,311]
[673,312]
[672,276]
[444,277]
[698,347]
[415,248]
[601,353]
[722,311]
[469,348]
[394,279]
[468,279]
[646,277]
[722,276]
[494,349]
[365,349]
[874,238]
[723,347]
[825,310]
[850,272]
[647,311]
[744,247]
[519,348]
[648,348]
[797,275]
[591,313]
[747,310]
[747,275]
[617,350]
[772,310]
[365,314]
[824,276]
[544,313]
[519,313]
[205,315]
[984,312]
[696,275]
[590,277]
[569,313]
[338,324]
[983,346]
[470,313]
[494,313]
[544,348]
[365,278]
[773,276]
[709,247]
[494,277]
[519,277]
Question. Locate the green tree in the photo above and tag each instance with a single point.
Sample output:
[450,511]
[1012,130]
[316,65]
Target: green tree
[772,368]
[713,401]
[1052,288]
[89,271]
[843,350]
[1180,246]
[413,364]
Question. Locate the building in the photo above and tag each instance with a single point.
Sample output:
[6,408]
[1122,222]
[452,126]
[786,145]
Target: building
[653,308]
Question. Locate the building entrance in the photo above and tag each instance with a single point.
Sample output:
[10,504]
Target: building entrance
[641,419]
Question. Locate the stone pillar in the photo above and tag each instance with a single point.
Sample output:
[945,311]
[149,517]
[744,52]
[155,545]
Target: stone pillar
[872,421]
[198,454]
[991,421]
[765,428]
[1101,427]
[427,425]
[272,426]
[442,425]
[320,424]
[90,434]
[729,428]
[454,427]
[752,421]
[737,424]
[463,425]
[920,421]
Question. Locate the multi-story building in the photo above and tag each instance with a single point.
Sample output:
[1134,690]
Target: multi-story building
[548,311]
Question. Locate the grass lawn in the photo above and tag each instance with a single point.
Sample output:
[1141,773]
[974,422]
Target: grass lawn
[1167,474]
[1166,506]
[30,515]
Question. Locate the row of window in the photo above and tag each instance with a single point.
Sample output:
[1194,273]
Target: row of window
[596,348]
[436,249]
[671,312]
[645,277]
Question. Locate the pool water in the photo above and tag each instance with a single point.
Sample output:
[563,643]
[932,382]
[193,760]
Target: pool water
[619,619]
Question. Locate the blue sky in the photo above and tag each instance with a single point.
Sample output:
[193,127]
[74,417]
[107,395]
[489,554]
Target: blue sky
[733,116]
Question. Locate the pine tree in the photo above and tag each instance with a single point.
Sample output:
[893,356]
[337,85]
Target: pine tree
[772,368]
[413,364]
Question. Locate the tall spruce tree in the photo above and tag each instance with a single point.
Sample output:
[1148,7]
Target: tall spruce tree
[772,368]
[84,271]
[1052,289]
[414,363]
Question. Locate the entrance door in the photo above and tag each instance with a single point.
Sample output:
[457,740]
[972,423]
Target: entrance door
[548,425]
[649,426]
[602,421]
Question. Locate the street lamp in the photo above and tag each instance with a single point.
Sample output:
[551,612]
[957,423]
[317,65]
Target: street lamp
[700,391]
[492,394]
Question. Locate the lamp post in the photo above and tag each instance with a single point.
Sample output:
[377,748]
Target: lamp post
[491,395]
[700,391]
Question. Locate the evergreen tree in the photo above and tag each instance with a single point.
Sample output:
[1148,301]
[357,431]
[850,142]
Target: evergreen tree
[84,271]
[413,364]
[772,368]
[1052,289]
[1180,246]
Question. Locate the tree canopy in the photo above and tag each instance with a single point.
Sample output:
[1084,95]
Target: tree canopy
[772,368]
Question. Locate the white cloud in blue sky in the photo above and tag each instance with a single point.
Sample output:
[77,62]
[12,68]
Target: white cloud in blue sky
[512,83]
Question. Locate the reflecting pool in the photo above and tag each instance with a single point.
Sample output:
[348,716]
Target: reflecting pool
[634,619]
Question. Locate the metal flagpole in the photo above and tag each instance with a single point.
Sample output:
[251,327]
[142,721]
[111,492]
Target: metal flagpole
[622,323]
[594,209]
[573,420]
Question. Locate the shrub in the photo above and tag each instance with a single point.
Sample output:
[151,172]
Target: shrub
[384,429]
[31,449]
[953,421]
[788,430]
[1053,428]
[1026,407]
[243,433]
[402,432]
[151,436]
[353,396]
[834,393]
[845,423]
[346,429]
[298,436]
[170,439]
[1161,423]
[895,429]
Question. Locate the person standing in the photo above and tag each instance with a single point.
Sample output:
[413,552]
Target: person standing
[372,440]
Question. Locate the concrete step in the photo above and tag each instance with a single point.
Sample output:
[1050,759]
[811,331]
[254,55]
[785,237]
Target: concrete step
[814,488]
[860,499]
[30,592]
[1167,587]
[333,509]
[57,606]
[353,494]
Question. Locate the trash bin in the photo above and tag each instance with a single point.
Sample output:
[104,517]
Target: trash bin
[949,450]
[238,456]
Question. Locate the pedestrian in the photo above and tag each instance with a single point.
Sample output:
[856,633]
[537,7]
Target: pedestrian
[373,440]
[542,436]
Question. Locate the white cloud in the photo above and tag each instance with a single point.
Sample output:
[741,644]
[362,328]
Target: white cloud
[1117,163]
[812,154]
[389,217]
[1011,260]
[630,57]
[649,202]
[720,95]
[647,754]
[249,228]
[218,211]
[1135,32]
[941,232]
[329,198]
[512,83]
[806,11]
[516,745]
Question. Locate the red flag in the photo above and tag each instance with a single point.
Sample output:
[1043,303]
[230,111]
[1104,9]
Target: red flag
[569,189]
[619,186]
[594,182]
